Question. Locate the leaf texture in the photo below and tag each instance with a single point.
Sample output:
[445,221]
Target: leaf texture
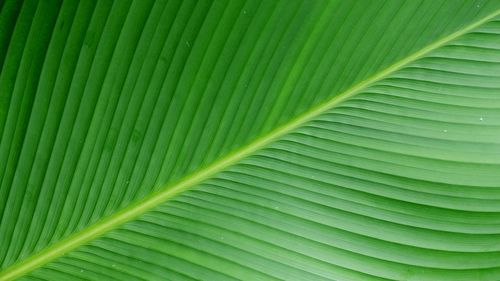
[251,140]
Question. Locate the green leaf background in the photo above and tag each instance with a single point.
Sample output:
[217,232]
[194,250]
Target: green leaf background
[250,140]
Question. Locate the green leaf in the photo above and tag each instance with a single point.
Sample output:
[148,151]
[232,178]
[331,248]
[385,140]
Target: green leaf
[253,140]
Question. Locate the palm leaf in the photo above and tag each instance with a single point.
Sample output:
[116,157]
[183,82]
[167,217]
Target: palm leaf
[254,140]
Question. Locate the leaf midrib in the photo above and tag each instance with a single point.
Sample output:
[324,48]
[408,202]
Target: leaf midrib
[133,211]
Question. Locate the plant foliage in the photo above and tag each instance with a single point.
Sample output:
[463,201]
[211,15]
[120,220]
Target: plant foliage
[254,140]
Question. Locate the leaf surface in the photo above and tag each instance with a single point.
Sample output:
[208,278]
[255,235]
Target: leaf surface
[254,140]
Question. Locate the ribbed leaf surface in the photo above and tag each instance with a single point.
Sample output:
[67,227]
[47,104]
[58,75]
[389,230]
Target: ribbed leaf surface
[251,140]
